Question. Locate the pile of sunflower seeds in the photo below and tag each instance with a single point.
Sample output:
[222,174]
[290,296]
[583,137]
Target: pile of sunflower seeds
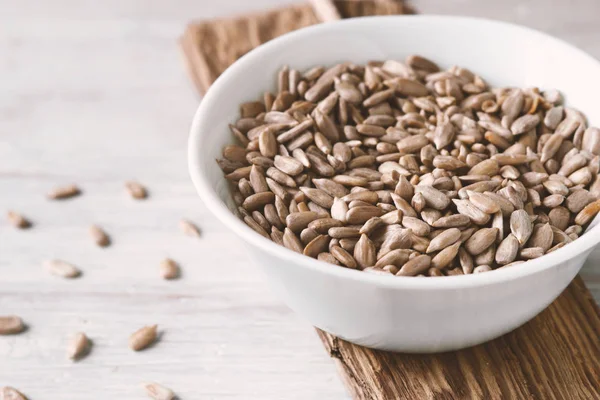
[404,169]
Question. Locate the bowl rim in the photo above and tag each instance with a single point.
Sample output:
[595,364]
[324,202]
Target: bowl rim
[218,208]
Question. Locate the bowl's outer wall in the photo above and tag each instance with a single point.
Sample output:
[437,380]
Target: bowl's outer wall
[390,318]
[413,320]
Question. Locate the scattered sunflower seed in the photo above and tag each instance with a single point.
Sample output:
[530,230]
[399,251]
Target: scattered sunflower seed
[78,346]
[136,190]
[64,192]
[17,220]
[158,392]
[143,337]
[11,324]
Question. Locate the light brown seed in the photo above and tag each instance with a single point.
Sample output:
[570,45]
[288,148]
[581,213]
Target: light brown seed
[507,250]
[419,227]
[11,324]
[483,202]
[467,208]
[64,192]
[343,257]
[78,346]
[559,217]
[445,257]
[361,214]
[99,236]
[395,257]
[291,241]
[143,337]
[524,124]
[62,269]
[531,253]
[372,224]
[466,261]
[588,213]
[258,200]
[365,252]
[158,392]
[481,240]
[433,197]
[316,246]
[415,266]
[482,268]
[10,393]
[328,258]
[452,221]
[288,165]
[17,220]
[521,226]
[443,240]
[169,269]
[541,237]
[139,192]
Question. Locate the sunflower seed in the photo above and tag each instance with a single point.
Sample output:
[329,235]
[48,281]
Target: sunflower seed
[467,208]
[531,253]
[10,393]
[143,337]
[62,269]
[415,266]
[507,250]
[136,190]
[78,346]
[481,240]
[169,269]
[443,240]
[11,324]
[446,256]
[158,392]
[17,220]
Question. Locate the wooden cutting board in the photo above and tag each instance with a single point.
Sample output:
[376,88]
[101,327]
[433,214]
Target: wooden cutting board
[554,356]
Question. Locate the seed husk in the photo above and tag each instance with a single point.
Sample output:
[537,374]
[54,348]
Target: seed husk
[17,220]
[143,337]
[78,346]
[62,269]
[11,325]
[158,392]
[64,192]
[139,192]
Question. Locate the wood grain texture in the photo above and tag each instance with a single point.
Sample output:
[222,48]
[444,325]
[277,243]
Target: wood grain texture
[554,356]
[211,46]
[95,93]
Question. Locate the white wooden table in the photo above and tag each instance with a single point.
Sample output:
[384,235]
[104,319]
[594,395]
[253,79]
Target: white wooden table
[95,93]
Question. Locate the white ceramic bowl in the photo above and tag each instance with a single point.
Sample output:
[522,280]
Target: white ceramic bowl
[385,312]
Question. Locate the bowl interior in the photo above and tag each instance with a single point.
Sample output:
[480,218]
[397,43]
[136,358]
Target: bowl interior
[502,54]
